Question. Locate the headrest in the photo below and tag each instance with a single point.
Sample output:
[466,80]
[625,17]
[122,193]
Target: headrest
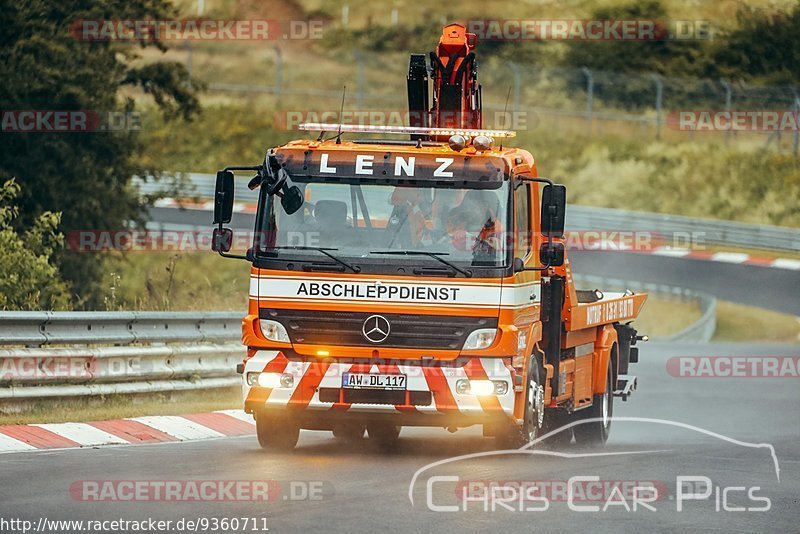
[331,213]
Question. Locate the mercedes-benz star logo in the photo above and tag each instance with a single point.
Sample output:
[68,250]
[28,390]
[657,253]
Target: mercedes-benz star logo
[376,329]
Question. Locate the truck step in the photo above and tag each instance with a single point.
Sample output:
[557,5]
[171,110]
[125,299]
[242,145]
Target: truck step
[626,385]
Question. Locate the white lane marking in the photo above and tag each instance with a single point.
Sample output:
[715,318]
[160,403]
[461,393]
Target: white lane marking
[674,252]
[238,414]
[787,263]
[9,444]
[730,257]
[83,434]
[178,427]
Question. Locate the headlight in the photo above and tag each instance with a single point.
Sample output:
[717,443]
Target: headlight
[481,388]
[273,331]
[480,339]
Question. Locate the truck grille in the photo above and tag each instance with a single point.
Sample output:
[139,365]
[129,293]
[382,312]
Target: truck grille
[406,330]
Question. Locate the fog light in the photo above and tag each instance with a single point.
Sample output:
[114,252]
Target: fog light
[462,387]
[252,379]
[269,380]
[287,380]
[481,388]
[500,387]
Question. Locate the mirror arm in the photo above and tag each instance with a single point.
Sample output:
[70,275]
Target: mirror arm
[234,256]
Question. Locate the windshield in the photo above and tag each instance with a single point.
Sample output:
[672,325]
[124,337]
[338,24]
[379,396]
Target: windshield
[463,225]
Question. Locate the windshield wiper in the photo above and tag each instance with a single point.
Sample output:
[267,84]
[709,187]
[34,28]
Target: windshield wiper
[354,268]
[435,255]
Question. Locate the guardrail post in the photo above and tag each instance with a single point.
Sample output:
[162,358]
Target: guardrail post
[278,85]
[659,96]
[796,133]
[589,97]
[360,79]
[728,100]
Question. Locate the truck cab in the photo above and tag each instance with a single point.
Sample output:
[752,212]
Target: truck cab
[420,282]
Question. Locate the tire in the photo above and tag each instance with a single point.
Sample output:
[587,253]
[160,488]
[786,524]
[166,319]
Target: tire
[276,433]
[349,431]
[383,434]
[553,420]
[596,432]
[514,436]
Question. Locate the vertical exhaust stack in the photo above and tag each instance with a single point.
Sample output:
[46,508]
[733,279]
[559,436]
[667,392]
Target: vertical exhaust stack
[456,92]
[418,99]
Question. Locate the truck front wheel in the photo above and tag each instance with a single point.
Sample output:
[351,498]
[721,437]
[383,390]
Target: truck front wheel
[276,433]
[601,411]
[515,436]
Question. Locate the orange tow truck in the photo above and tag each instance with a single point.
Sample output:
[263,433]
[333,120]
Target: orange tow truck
[421,281]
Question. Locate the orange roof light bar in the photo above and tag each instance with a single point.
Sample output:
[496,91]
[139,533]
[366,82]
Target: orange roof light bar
[402,130]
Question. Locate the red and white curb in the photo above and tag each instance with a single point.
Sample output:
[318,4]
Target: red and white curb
[727,257]
[133,431]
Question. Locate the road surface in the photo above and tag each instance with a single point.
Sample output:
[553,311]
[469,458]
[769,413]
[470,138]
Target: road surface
[357,488]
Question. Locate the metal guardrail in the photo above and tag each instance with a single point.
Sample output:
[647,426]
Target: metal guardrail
[71,354]
[36,329]
[688,230]
[701,331]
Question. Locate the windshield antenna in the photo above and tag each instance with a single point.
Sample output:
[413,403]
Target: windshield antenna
[505,110]
[341,112]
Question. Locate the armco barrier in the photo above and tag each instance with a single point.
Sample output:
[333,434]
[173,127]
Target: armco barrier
[71,354]
[701,330]
[698,230]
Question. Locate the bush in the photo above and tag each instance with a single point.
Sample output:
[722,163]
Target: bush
[28,280]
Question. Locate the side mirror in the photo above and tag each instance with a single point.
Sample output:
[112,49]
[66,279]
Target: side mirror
[519,265]
[554,204]
[223,198]
[222,240]
[292,199]
[552,254]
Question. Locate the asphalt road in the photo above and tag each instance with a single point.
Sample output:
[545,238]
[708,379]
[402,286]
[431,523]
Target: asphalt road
[774,289]
[361,489]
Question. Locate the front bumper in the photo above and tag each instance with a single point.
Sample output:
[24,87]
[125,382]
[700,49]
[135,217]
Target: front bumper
[431,398]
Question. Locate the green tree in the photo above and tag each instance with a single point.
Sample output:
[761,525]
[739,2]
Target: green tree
[765,47]
[638,59]
[28,279]
[85,176]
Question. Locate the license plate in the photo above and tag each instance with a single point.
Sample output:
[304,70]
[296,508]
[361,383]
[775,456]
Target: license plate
[392,382]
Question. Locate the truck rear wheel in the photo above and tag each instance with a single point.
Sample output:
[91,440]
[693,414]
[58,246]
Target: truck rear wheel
[276,433]
[383,434]
[602,409]
[514,436]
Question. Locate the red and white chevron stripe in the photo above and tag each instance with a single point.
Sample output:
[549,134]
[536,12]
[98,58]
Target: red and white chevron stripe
[440,381]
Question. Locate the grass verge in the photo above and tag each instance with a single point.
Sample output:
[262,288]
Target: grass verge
[737,322]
